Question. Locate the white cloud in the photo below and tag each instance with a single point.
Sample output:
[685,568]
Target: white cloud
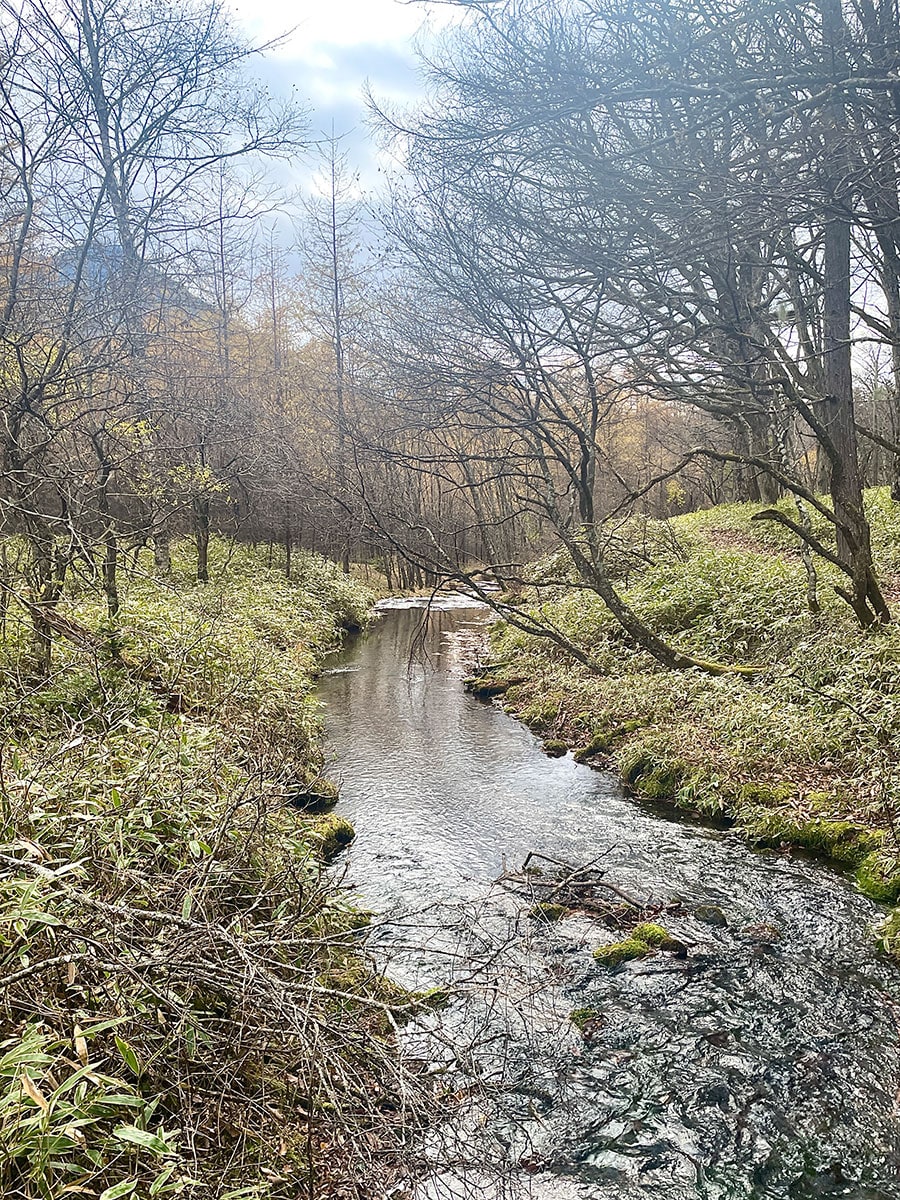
[330,50]
[314,23]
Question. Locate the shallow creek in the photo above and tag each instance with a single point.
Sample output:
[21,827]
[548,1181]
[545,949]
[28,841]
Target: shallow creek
[764,1065]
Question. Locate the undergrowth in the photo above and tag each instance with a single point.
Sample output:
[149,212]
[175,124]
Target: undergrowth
[185,1008]
[801,753]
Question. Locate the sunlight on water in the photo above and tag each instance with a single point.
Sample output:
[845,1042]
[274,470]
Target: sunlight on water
[762,1067]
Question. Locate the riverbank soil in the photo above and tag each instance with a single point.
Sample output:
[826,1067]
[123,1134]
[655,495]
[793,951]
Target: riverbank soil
[183,1006]
[800,753]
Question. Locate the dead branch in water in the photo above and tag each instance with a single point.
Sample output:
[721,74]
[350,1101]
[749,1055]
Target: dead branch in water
[571,885]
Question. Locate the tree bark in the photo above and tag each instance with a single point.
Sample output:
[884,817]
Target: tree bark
[162,551]
[853,535]
[201,536]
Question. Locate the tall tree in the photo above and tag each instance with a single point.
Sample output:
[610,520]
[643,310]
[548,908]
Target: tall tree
[666,199]
[114,115]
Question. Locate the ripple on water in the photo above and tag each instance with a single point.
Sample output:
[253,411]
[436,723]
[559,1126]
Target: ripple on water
[765,1066]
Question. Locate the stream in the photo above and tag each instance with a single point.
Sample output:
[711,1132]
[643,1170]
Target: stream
[765,1064]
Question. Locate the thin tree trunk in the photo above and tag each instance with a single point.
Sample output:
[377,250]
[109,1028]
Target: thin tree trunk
[109,540]
[49,570]
[201,535]
[162,551]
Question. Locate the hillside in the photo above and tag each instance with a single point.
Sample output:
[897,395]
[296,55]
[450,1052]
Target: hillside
[801,752]
[184,1006]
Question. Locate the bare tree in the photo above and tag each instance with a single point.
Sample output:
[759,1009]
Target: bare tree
[669,205]
[332,240]
[113,117]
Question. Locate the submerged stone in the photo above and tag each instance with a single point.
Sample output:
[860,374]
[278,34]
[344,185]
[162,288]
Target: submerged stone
[585,1019]
[710,914]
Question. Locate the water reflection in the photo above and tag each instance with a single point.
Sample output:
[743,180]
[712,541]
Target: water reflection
[764,1066]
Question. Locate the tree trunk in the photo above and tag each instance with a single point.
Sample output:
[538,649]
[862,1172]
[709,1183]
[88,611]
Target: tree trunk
[109,540]
[48,569]
[162,551]
[853,535]
[4,589]
[593,572]
[201,534]
[890,281]
[110,575]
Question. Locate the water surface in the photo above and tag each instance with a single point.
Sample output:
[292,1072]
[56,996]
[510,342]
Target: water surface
[766,1065]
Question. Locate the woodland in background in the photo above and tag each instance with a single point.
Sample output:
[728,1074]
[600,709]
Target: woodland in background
[641,258]
[161,371]
[650,254]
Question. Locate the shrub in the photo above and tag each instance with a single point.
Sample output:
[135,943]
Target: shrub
[165,924]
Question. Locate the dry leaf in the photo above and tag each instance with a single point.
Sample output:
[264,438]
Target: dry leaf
[81,1048]
[29,1086]
[32,847]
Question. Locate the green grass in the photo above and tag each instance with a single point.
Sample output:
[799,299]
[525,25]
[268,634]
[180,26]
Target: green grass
[801,753]
[172,1020]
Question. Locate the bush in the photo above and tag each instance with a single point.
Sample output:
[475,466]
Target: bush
[169,1017]
[802,752]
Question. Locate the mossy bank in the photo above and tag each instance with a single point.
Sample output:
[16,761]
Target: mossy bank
[185,1008]
[800,753]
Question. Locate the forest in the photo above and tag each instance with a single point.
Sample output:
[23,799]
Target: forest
[613,353]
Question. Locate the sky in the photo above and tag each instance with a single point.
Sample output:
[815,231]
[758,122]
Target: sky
[333,48]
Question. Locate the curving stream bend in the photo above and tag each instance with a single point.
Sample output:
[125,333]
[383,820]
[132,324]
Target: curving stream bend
[765,1066]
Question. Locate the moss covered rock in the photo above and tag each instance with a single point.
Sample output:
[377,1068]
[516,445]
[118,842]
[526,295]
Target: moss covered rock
[879,878]
[554,748]
[600,743]
[888,934]
[619,952]
[659,938]
[330,835]
[663,781]
[355,987]
[485,687]
[651,771]
[547,912]
[842,841]
[764,795]
[710,914]
[652,934]
[606,737]
[584,1019]
[318,796]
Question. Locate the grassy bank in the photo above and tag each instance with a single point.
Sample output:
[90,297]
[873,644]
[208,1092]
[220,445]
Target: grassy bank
[183,1008]
[803,753]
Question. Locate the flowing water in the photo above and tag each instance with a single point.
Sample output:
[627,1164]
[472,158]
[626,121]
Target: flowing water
[766,1064]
